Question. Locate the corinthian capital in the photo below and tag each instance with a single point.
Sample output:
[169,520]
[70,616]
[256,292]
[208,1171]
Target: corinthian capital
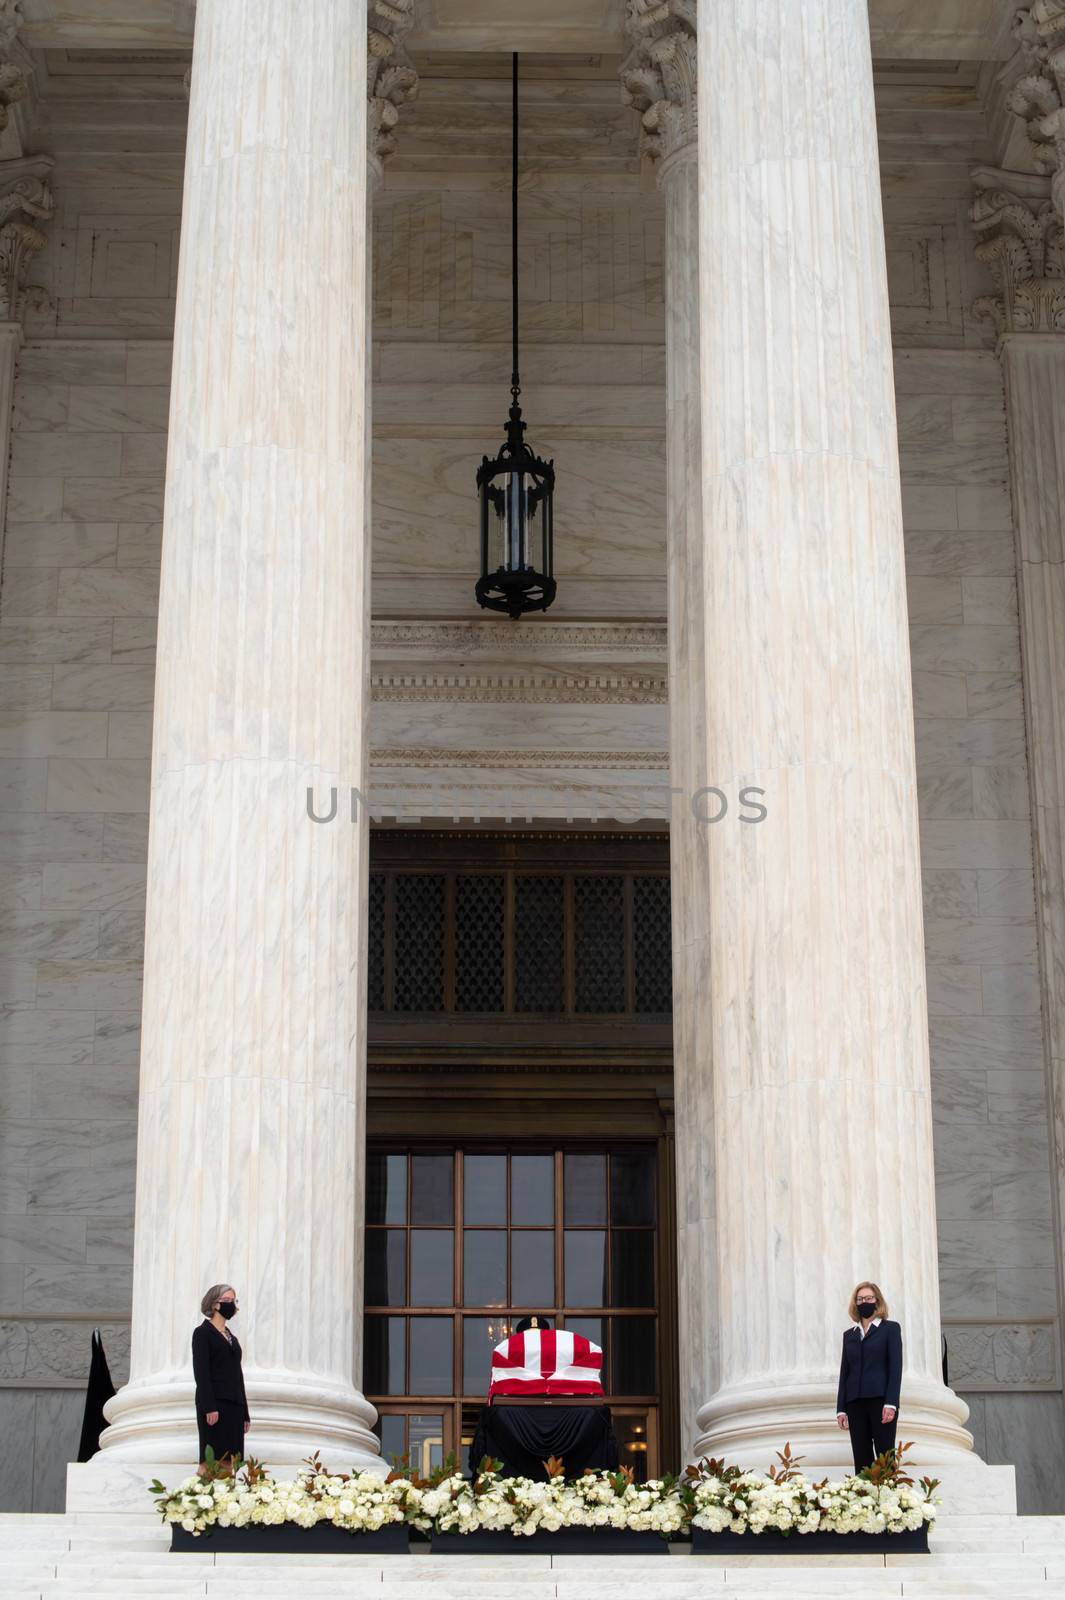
[1022,239]
[390,77]
[658,76]
[1039,97]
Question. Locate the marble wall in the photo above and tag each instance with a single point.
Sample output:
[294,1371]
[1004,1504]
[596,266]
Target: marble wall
[77,627]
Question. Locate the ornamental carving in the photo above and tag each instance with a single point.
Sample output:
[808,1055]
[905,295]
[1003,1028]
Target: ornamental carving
[658,76]
[14,80]
[390,76]
[1039,97]
[25,200]
[1022,239]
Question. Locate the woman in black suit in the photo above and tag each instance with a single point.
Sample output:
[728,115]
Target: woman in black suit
[221,1404]
[870,1377]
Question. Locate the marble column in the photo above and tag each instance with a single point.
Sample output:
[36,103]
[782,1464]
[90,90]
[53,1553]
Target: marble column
[251,1121]
[1021,240]
[805,959]
[658,80]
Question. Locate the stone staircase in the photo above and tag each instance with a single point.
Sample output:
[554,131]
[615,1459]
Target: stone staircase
[1010,1558]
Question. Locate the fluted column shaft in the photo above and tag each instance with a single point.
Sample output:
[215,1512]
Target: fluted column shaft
[251,1132]
[808,957]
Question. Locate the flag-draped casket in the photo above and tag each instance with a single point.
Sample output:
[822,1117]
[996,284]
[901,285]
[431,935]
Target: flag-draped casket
[546,1361]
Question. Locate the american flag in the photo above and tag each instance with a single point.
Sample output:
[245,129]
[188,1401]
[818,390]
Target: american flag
[546,1361]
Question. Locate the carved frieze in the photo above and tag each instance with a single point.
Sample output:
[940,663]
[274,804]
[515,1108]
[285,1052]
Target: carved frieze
[1022,239]
[658,76]
[25,203]
[390,76]
[14,78]
[1039,97]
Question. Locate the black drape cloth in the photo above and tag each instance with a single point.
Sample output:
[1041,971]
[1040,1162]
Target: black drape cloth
[99,1389]
[524,1437]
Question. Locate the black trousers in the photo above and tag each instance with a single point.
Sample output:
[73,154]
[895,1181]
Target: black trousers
[869,1436]
[226,1438]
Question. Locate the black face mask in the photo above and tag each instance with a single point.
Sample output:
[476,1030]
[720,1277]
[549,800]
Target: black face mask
[866,1310]
[227,1308]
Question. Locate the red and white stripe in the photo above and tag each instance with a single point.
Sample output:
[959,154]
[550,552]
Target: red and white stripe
[546,1361]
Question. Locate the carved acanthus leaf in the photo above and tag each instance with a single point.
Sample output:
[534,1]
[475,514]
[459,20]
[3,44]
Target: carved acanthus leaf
[1022,239]
[1039,97]
[659,75]
[390,76]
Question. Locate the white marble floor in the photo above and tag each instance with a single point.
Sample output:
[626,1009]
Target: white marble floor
[1010,1558]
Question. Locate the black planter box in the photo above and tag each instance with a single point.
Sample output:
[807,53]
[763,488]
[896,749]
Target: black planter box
[807,1544]
[566,1542]
[287,1538]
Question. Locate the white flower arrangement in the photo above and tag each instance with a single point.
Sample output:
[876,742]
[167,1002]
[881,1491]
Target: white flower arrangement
[881,1499]
[713,1497]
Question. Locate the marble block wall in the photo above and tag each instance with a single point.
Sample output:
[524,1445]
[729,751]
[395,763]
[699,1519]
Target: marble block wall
[77,627]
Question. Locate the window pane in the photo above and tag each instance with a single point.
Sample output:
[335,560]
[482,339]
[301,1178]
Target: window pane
[532,1190]
[426,1442]
[597,1329]
[484,1193]
[431,1179]
[631,1432]
[430,1355]
[383,1361]
[634,1355]
[632,1257]
[532,1269]
[480,1335]
[431,1267]
[632,1188]
[584,1183]
[585,1268]
[392,1433]
[484,1267]
[386,1266]
[386,1187]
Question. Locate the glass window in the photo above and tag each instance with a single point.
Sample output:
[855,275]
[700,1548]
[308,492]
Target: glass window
[430,1355]
[484,1267]
[432,1277]
[532,1268]
[630,1429]
[584,1185]
[386,1187]
[532,1191]
[484,1197]
[392,1432]
[480,1335]
[597,1329]
[632,1188]
[385,1339]
[386,1266]
[632,1261]
[426,1434]
[431,1189]
[585,1267]
[634,1355]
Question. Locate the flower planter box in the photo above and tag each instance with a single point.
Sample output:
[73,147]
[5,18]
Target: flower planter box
[287,1538]
[807,1544]
[566,1542]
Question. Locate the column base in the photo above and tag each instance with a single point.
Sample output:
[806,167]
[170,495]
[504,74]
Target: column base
[747,1426]
[152,1434]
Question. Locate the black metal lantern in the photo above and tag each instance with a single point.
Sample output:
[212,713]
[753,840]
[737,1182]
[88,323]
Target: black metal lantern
[516,488]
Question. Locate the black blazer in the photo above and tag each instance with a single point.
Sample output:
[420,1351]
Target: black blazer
[217,1370]
[871,1368]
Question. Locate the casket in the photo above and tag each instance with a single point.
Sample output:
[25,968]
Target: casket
[545,1361]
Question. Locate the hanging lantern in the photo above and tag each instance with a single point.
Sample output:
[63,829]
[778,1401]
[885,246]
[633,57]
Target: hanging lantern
[516,487]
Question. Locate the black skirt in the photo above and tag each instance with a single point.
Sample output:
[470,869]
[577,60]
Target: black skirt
[227,1435]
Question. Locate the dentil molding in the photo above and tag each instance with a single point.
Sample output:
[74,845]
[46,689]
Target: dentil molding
[658,76]
[1022,239]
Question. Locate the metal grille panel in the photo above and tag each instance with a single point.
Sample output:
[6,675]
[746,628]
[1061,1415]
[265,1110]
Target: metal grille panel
[375,979]
[539,943]
[419,941]
[479,911]
[652,944]
[599,906]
